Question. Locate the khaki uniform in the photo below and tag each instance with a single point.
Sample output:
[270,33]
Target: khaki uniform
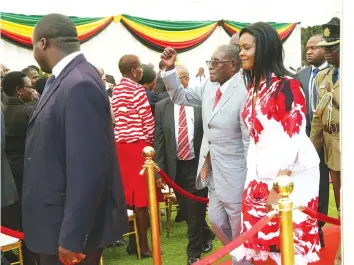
[326,118]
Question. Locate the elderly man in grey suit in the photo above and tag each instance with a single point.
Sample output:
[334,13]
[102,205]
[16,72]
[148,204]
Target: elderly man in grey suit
[222,163]
[316,58]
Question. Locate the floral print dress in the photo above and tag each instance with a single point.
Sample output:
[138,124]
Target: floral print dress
[276,122]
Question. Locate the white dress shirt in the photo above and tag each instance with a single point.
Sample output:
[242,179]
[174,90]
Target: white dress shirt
[190,127]
[227,83]
[311,80]
[59,67]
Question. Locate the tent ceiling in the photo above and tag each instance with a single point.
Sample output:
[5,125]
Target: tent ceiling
[307,12]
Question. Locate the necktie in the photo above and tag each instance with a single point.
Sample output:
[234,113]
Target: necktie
[205,170]
[49,82]
[335,76]
[183,149]
[217,97]
[313,87]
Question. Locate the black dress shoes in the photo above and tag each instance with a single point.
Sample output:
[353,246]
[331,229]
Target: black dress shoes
[208,246]
[191,260]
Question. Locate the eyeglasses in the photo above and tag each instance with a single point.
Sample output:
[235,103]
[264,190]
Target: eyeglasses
[30,87]
[183,77]
[214,63]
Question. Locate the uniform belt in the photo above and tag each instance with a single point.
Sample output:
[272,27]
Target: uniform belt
[332,128]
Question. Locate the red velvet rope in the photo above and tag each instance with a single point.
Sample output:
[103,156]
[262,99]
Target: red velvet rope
[13,233]
[220,253]
[320,217]
[178,189]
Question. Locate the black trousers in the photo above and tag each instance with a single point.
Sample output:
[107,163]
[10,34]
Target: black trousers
[323,196]
[92,258]
[198,230]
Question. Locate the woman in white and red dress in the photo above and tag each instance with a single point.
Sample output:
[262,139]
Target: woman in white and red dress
[275,113]
[134,130]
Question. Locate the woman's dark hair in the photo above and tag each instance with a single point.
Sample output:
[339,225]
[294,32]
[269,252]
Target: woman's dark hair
[40,84]
[11,81]
[149,75]
[269,54]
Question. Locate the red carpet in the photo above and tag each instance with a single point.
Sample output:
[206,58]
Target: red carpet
[327,254]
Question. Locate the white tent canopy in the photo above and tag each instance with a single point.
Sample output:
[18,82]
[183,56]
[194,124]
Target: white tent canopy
[307,12]
[106,48]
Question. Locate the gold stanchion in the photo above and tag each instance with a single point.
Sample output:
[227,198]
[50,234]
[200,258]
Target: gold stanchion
[149,167]
[284,187]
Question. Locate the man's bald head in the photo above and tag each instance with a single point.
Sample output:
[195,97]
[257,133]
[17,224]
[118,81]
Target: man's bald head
[235,39]
[56,27]
[315,55]
[53,38]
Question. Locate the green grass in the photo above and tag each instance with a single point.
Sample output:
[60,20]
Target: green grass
[174,247]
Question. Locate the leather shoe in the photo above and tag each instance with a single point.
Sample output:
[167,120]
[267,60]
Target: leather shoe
[192,260]
[207,246]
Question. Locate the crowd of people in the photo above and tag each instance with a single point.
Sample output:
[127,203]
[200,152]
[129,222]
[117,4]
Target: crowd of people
[72,142]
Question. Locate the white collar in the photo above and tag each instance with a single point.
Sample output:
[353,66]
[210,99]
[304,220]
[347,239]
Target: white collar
[321,67]
[227,83]
[58,68]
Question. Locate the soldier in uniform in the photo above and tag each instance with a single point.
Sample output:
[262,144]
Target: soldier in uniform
[325,126]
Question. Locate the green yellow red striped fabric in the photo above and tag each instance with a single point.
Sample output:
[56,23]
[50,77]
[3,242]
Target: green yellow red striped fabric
[155,34]
[19,28]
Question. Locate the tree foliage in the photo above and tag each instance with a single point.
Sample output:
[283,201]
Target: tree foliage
[306,34]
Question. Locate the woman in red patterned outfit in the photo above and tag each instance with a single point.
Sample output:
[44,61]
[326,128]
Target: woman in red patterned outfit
[275,113]
[134,130]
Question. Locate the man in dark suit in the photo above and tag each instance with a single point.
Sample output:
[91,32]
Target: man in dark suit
[73,201]
[160,86]
[316,58]
[178,137]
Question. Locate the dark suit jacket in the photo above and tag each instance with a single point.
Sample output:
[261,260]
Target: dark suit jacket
[8,187]
[72,190]
[153,98]
[160,86]
[17,115]
[303,76]
[165,138]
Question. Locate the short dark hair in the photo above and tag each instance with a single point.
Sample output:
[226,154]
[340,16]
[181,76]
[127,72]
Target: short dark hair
[161,65]
[58,29]
[269,54]
[11,81]
[127,63]
[40,84]
[30,68]
[149,75]
[110,79]
[34,67]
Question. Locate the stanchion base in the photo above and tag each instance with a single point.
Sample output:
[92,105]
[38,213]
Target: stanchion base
[327,254]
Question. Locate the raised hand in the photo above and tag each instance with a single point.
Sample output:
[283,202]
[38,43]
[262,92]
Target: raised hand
[168,57]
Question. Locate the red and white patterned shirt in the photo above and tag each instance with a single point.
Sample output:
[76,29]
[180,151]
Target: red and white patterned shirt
[132,113]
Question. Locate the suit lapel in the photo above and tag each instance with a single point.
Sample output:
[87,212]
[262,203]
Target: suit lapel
[170,115]
[307,76]
[78,59]
[230,90]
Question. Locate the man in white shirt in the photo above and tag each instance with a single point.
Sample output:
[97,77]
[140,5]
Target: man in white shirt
[200,79]
[178,138]
[315,56]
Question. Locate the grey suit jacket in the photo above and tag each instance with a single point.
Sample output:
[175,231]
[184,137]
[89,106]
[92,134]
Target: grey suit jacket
[165,136]
[303,76]
[225,134]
